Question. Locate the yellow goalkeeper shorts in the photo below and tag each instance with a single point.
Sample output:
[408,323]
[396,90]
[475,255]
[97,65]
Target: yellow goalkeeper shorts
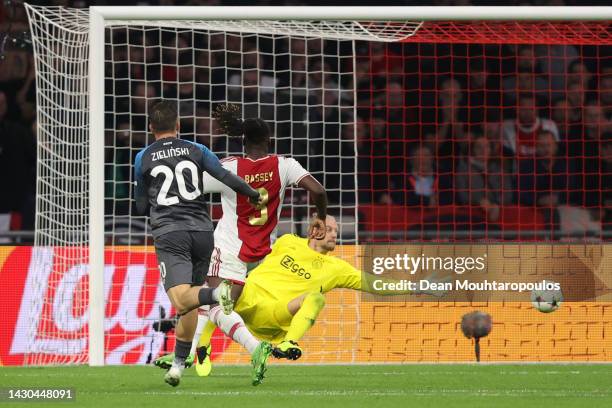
[266,318]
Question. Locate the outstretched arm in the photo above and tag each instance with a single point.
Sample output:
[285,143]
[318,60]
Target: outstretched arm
[211,184]
[295,174]
[318,193]
[212,166]
[351,278]
[238,185]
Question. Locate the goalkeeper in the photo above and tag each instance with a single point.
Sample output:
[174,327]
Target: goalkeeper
[284,295]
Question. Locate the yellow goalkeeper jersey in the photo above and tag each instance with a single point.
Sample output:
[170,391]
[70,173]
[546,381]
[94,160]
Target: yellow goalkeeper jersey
[293,269]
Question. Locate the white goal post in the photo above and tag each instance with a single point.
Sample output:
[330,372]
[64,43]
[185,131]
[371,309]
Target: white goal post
[387,24]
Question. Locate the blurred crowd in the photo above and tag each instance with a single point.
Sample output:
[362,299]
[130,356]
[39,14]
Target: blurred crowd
[490,126]
[17,123]
[483,126]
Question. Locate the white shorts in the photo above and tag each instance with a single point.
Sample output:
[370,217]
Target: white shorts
[227,266]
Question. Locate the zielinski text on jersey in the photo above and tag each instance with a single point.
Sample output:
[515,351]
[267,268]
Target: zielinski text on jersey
[169,177]
[168,153]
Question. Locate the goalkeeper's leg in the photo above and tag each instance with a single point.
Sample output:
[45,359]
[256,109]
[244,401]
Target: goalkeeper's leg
[305,310]
[227,266]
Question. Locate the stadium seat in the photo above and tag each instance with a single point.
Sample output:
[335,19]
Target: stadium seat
[378,218]
[522,219]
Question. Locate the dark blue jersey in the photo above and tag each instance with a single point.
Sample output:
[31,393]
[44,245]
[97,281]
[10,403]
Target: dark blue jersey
[169,185]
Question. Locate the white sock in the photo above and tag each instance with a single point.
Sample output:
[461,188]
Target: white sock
[178,366]
[202,320]
[233,327]
[215,294]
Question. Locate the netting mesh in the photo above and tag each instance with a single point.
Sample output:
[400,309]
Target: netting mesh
[513,32]
[341,30]
[58,328]
[413,121]
[476,141]
[302,87]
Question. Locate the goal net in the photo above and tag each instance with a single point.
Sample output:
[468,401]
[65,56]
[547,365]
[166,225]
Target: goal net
[450,133]
[345,98]
[298,77]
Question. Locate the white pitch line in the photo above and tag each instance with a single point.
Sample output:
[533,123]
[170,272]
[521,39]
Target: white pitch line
[271,373]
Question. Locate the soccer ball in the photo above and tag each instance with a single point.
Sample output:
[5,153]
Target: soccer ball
[546,300]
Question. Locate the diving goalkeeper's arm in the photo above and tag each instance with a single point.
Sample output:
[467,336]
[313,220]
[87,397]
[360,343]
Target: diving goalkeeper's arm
[345,275]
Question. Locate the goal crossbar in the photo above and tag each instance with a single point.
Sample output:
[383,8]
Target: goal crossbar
[344,13]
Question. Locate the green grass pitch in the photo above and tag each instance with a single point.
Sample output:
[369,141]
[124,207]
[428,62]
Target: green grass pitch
[426,385]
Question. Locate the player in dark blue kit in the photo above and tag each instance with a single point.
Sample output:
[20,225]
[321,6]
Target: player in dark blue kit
[168,189]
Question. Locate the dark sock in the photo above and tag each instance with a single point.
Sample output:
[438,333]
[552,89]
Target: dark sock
[205,296]
[181,351]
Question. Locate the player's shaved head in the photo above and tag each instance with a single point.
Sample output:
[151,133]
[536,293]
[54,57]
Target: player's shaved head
[328,242]
[163,117]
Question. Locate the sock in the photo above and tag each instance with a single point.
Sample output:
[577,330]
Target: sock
[202,321]
[181,351]
[215,294]
[180,366]
[233,326]
[207,333]
[206,296]
[305,317]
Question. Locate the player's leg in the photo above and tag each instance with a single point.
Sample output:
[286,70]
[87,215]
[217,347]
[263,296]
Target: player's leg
[202,321]
[233,326]
[200,348]
[184,335]
[165,361]
[185,328]
[228,266]
[305,309]
[223,266]
[203,254]
[178,269]
[186,298]
[174,253]
[202,352]
[303,312]
[204,335]
[205,328]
